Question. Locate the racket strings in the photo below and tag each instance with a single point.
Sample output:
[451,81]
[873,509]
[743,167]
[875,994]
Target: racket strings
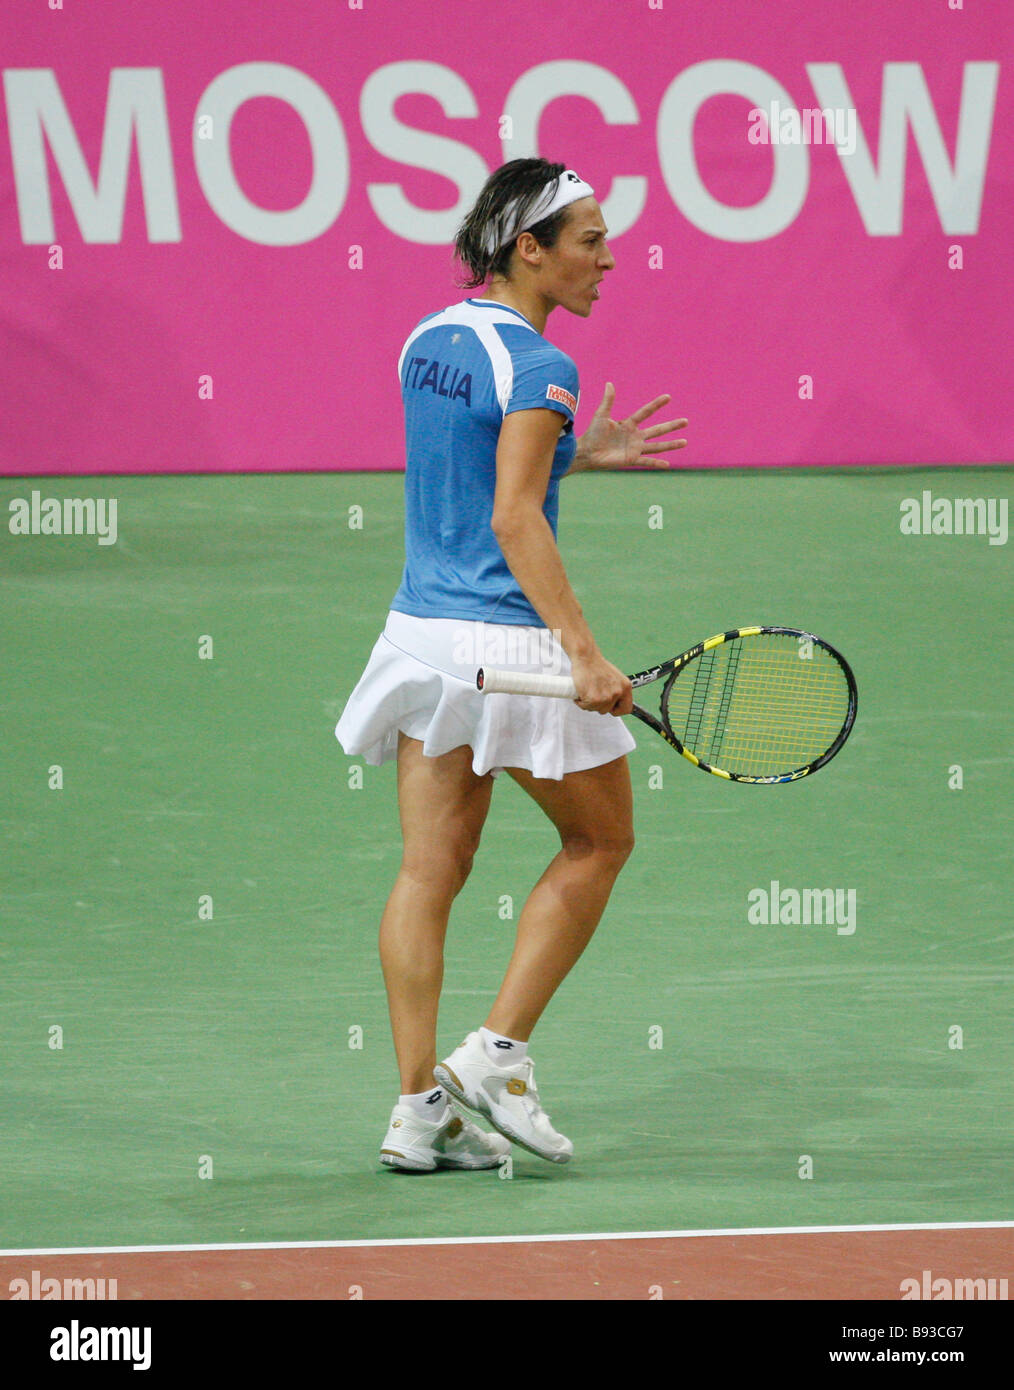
[759,706]
[699,696]
[725,699]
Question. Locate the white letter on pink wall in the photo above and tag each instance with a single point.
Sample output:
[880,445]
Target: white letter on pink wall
[677,111]
[135,102]
[329,182]
[905,101]
[419,148]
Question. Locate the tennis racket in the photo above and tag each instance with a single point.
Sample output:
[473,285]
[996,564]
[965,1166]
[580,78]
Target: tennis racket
[755,704]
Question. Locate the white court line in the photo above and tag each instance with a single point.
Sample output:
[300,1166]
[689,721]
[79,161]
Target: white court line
[508,1240]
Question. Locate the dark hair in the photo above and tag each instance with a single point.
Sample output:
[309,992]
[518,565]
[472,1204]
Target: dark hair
[520,178]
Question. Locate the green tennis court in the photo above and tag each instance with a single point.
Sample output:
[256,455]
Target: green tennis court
[213,1084]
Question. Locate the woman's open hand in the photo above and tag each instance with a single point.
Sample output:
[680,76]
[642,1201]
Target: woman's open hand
[610,443]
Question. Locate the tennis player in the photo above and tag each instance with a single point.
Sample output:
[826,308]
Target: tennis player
[489,408]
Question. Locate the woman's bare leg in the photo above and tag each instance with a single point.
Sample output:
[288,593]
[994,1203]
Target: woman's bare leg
[443,806]
[593,811]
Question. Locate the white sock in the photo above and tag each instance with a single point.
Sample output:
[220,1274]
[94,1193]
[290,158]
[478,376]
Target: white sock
[428,1105]
[500,1048]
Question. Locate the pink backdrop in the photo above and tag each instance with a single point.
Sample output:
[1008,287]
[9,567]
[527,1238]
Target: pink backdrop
[230,252]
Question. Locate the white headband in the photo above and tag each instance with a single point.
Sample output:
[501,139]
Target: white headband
[555,195]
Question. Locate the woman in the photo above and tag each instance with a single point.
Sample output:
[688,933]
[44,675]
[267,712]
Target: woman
[489,413]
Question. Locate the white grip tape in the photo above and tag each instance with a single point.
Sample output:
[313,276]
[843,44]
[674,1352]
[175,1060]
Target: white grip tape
[498,682]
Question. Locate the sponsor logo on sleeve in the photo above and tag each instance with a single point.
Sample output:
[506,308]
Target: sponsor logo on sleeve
[557,393]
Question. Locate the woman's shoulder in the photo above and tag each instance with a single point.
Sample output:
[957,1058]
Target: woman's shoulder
[540,355]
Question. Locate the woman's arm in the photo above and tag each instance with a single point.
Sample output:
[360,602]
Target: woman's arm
[524,460]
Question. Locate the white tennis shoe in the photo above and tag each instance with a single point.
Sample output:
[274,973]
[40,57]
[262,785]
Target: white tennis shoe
[421,1145]
[506,1095]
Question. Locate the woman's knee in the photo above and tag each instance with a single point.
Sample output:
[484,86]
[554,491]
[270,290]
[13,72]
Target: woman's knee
[604,846]
[444,865]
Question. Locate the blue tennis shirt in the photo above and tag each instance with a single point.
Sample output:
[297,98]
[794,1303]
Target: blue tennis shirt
[462,370]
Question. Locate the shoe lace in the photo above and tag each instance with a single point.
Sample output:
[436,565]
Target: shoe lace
[531,1100]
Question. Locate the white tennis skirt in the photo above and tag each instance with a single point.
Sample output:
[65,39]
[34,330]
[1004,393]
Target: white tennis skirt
[420,679]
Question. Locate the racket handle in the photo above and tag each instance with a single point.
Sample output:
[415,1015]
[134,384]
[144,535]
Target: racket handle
[492,681]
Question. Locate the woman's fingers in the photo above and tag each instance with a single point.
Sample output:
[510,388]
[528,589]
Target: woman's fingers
[650,408]
[656,430]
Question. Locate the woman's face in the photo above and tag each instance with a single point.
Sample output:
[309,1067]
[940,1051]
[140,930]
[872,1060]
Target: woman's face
[570,270]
